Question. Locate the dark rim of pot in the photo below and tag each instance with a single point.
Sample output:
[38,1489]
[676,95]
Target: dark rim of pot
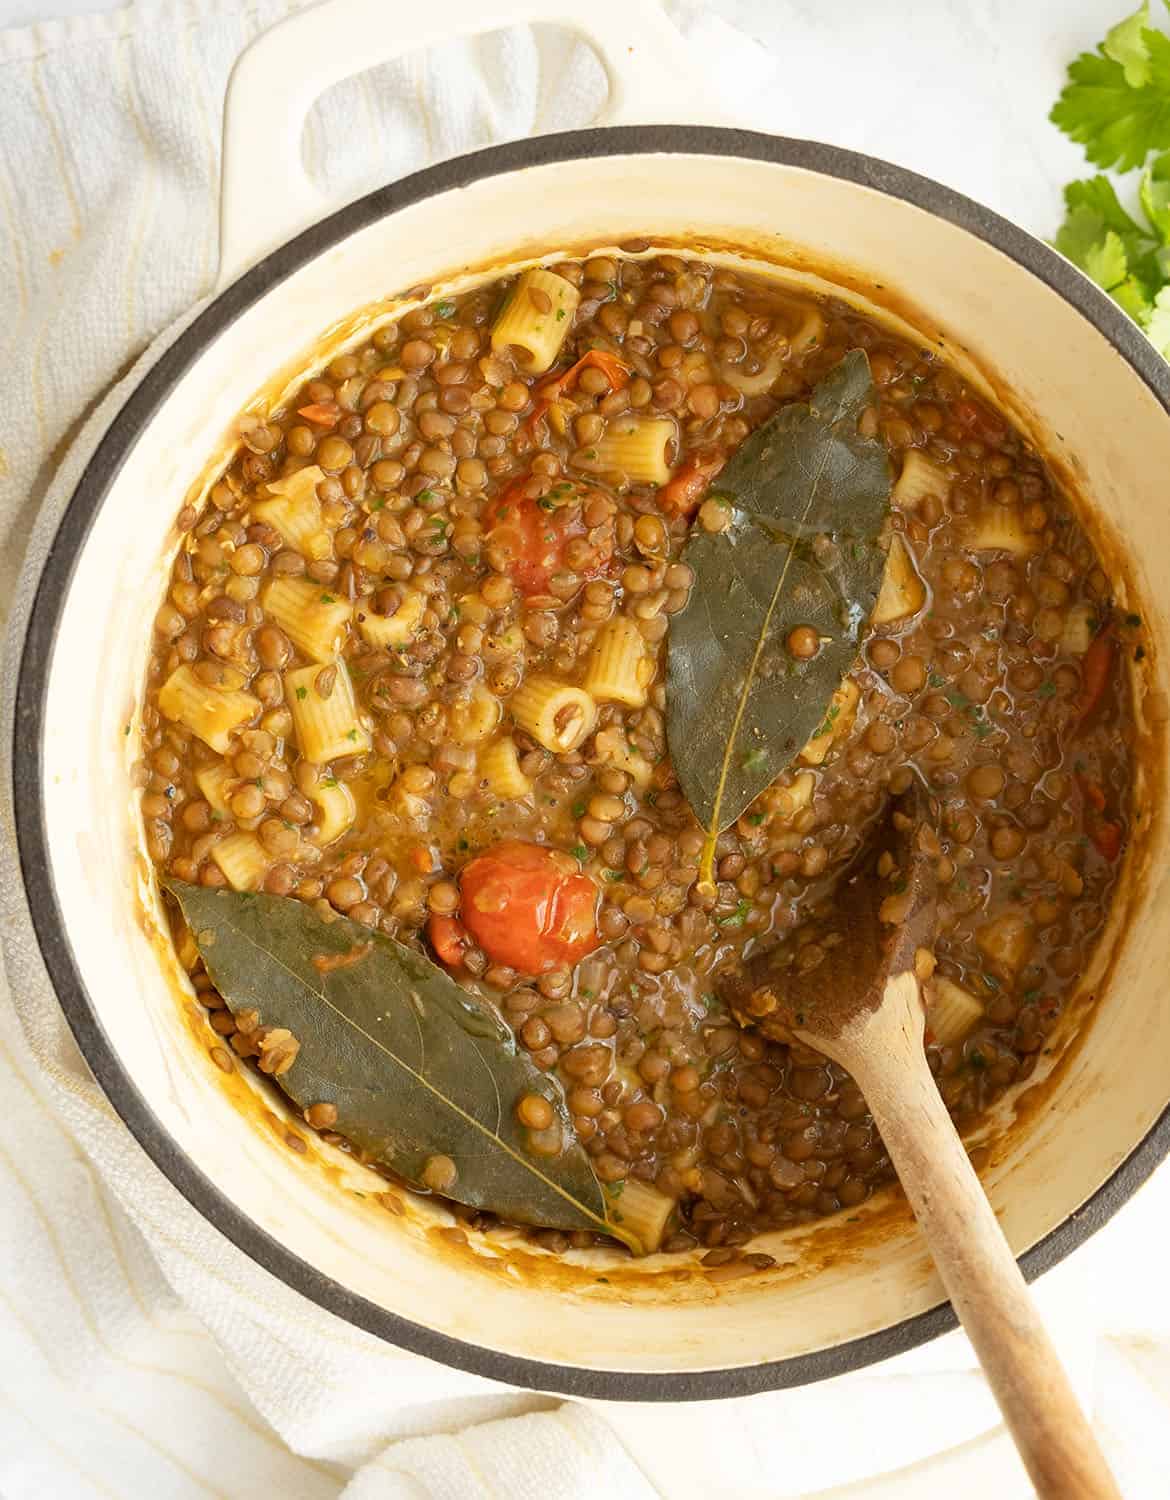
[103,467]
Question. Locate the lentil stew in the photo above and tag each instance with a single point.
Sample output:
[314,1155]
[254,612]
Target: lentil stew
[410,669]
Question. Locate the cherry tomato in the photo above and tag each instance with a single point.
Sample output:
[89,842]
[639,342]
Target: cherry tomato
[535,533]
[529,907]
[449,939]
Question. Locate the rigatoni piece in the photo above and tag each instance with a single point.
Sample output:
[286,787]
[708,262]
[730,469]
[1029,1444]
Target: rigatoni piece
[838,721]
[810,332]
[612,749]
[499,767]
[474,720]
[394,629]
[314,619]
[902,593]
[620,669]
[536,319]
[919,479]
[634,447]
[1007,941]
[644,1212]
[952,1010]
[213,781]
[556,715]
[243,860]
[1000,528]
[295,512]
[328,726]
[1080,627]
[210,712]
[790,800]
[336,810]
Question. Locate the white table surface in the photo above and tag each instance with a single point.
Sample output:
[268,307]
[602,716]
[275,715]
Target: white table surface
[958,90]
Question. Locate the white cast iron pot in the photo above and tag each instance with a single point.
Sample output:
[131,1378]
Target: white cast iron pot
[1092,1122]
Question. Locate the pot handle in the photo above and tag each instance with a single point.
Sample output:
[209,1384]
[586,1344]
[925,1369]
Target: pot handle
[266,196]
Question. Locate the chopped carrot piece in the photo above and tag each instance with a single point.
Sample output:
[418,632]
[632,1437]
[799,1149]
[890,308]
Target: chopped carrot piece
[320,413]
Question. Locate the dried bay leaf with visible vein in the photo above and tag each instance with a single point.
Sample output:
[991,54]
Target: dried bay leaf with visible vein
[414,1065]
[809,497]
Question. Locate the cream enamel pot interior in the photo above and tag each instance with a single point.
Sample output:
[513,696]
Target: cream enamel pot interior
[1093,393]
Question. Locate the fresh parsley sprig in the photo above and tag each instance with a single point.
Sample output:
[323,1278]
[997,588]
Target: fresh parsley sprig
[1116,104]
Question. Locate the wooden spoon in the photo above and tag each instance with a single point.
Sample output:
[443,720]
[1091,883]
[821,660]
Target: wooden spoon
[860,1004]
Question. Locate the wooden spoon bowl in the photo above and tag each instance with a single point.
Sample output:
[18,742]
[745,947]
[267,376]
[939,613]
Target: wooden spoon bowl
[853,991]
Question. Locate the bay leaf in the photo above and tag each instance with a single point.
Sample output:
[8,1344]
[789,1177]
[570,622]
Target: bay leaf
[808,496]
[415,1066]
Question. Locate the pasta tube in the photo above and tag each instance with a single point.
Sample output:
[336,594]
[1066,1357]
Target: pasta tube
[313,619]
[790,800]
[295,512]
[243,860]
[634,447]
[213,781]
[920,478]
[555,714]
[644,1212]
[214,714]
[1000,528]
[474,720]
[499,767]
[326,727]
[837,721]
[902,592]
[952,1011]
[1079,629]
[336,810]
[620,668]
[611,748]
[395,629]
[536,319]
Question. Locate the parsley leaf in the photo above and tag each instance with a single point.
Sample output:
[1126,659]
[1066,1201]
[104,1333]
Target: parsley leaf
[1118,124]
[1125,44]
[1154,194]
[1158,324]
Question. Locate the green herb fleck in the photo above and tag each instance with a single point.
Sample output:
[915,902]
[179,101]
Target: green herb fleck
[1046,689]
[328,599]
[302,693]
[444,309]
[579,851]
[738,917]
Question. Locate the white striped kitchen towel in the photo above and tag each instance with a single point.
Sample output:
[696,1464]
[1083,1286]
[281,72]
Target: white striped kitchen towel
[141,1356]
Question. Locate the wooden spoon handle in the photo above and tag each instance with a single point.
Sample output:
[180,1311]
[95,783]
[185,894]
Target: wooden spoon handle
[973,1258]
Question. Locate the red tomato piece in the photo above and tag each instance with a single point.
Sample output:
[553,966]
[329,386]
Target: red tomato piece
[529,907]
[536,534]
[682,495]
[449,939]
[1096,671]
[1106,839]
